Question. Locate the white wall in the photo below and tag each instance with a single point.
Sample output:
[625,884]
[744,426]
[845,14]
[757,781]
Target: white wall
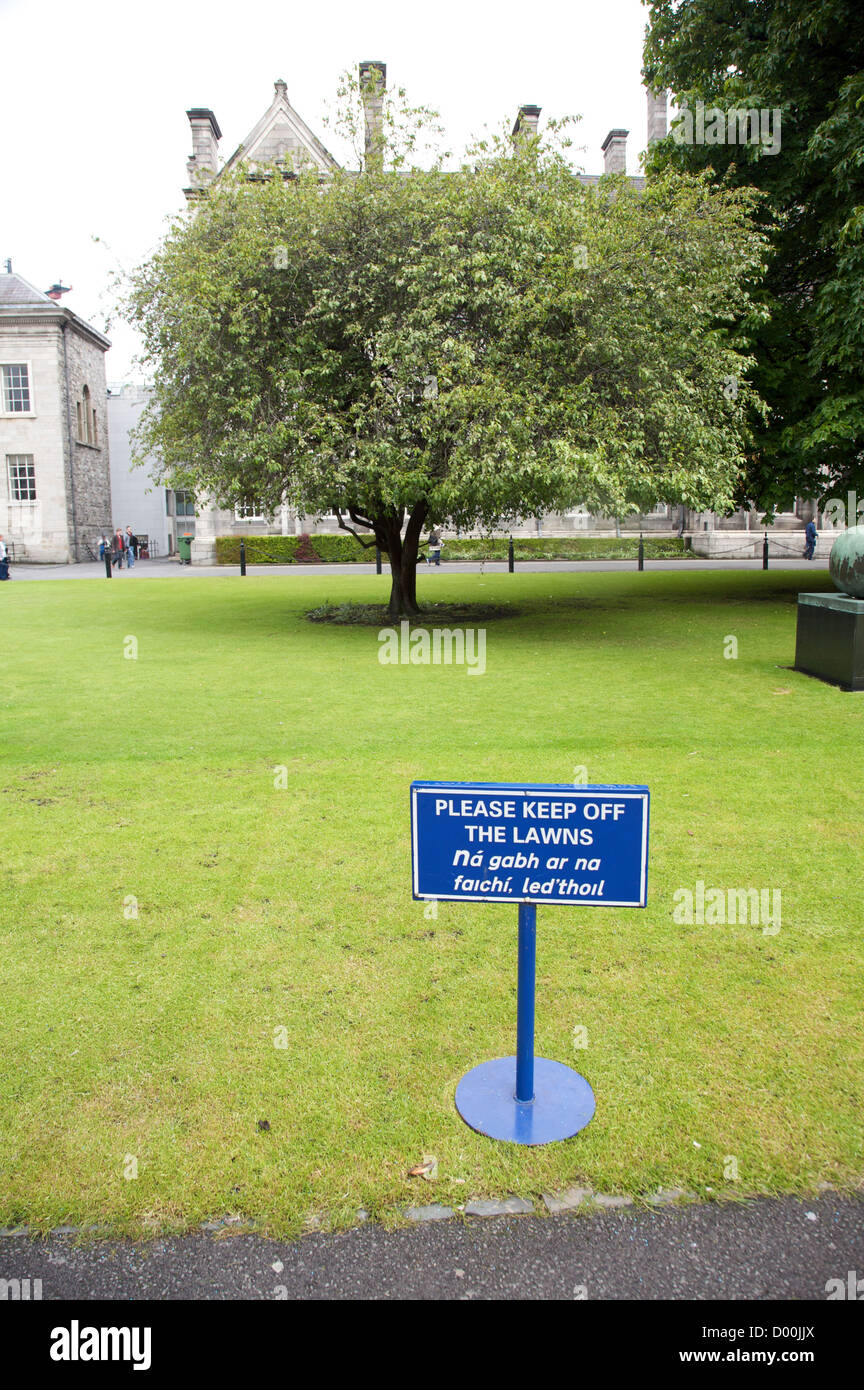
[136,500]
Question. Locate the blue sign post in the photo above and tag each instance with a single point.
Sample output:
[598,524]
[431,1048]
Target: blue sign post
[503,842]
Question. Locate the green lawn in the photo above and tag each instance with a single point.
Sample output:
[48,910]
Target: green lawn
[262,908]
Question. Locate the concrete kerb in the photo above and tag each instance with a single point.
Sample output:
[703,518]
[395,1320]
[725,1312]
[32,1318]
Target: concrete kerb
[573,1199]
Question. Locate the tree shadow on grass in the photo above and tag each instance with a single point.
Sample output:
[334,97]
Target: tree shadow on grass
[376,615]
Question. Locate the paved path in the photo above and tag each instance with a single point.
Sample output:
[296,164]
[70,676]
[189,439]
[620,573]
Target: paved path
[765,1249]
[161,569]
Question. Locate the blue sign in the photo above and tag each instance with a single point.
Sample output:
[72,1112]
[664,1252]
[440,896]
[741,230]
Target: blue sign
[530,843]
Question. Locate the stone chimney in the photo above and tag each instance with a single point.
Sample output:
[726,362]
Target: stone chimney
[373,84]
[656,115]
[526,122]
[204,159]
[615,152]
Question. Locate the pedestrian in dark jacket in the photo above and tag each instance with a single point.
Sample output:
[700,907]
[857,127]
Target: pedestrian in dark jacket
[810,537]
[434,547]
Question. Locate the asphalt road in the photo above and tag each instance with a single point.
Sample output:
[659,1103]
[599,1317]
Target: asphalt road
[785,1248]
[161,569]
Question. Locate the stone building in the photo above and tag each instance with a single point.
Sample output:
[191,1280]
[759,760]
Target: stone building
[55,490]
[282,137]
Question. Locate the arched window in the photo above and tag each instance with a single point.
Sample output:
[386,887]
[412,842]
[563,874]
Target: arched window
[87,412]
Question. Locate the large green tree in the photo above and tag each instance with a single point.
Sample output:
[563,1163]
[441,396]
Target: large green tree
[411,348]
[803,58]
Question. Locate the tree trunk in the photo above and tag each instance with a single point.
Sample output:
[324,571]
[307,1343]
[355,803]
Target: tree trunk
[402,552]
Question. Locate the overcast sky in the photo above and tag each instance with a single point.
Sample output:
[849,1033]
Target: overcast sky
[94,94]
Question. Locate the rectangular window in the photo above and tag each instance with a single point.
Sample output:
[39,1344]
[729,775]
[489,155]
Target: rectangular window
[16,388]
[22,477]
[184,503]
[248,510]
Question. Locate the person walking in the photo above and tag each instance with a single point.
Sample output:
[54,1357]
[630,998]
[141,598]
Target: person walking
[131,543]
[434,547]
[810,538]
[117,549]
[4,560]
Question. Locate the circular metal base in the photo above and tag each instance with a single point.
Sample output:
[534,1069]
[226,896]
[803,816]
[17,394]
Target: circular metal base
[563,1102]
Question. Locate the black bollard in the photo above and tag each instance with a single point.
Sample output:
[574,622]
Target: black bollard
[242,556]
[510,556]
[377,559]
[765,551]
[641,552]
[107,563]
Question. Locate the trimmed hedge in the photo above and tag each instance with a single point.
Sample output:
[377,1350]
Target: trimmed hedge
[282,550]
[344,550]
[565,548]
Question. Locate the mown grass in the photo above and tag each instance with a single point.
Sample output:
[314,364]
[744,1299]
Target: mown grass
[264,908]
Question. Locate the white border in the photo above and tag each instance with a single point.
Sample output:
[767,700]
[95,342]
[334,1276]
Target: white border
[473,789]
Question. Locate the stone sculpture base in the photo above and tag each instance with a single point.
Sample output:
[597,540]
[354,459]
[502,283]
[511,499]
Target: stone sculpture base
[830,639]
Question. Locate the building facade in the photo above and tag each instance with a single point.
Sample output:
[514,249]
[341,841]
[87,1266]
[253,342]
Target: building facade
[157,514]
[55,488]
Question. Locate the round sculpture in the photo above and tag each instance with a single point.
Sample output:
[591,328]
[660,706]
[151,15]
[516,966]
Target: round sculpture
[846,562]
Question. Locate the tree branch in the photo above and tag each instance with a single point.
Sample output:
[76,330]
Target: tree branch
[366,544]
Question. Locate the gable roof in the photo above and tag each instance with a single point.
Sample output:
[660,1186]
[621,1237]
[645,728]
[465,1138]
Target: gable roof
[283,135]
